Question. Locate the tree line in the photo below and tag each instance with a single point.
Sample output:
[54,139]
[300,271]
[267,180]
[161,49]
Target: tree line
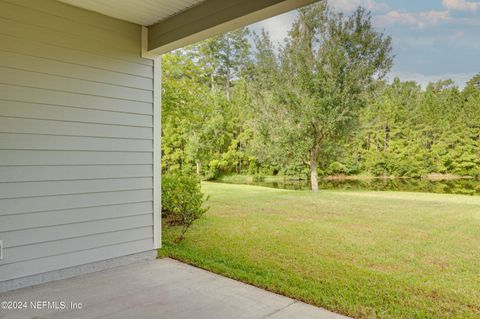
[317,104]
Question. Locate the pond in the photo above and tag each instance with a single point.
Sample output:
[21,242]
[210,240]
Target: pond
[452,186]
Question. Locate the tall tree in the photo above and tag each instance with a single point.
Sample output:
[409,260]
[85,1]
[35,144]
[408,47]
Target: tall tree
[304,100]
[186,106]
[225,57]
[328,64]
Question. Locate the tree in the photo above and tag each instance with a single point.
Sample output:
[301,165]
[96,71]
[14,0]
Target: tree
[185,108]
[316,105]
[204,106]
[327,65]
[225,57]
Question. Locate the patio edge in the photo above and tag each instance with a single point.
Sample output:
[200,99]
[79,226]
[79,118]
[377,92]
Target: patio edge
[70,272]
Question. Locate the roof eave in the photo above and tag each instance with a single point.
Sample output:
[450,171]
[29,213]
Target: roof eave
[211,18]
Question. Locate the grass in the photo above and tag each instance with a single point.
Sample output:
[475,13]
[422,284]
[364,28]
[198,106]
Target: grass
[362,254]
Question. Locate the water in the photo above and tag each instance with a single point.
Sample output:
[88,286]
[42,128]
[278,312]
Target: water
[455,186]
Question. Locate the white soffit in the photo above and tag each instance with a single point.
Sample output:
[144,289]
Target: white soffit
[143,12]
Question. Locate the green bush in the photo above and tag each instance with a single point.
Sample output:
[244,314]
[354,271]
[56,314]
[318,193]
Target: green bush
[182,201]
[216,168]
[336,168]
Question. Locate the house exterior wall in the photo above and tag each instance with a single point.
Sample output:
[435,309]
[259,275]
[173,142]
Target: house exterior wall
[76,138]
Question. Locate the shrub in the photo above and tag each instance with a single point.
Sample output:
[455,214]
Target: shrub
[182,201]
[216,168]
[336,168]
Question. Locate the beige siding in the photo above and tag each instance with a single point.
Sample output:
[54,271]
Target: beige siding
[76,138]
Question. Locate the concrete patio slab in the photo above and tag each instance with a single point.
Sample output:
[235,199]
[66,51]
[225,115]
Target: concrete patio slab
[157,289]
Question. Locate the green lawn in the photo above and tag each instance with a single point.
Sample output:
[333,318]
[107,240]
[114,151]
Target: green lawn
[362,254]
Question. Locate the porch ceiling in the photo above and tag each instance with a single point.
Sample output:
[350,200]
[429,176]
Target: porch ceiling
[143,12]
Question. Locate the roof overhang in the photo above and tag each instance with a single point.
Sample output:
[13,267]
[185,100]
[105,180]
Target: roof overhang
[211,18]
[182,22]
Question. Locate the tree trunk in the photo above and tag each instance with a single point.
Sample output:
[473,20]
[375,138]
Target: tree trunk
[313,161]
[314,175]
[314,165]
[228,91]
[386,137]
[199,166]
[212,82]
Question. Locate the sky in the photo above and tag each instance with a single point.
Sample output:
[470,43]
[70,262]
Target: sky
[432,39]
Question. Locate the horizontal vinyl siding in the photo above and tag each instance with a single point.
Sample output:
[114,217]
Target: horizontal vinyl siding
[51,157]
[49,82]
[78,172]
[62,113]
[81,30]
[58,247]
[72,143]
[72,215]
[49,263]
[76,138]
[46,65]
[53,188]
[29,30]
[61,98]
[57,233]
[86,18]
[70,201]
[72,128]
[75,58]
